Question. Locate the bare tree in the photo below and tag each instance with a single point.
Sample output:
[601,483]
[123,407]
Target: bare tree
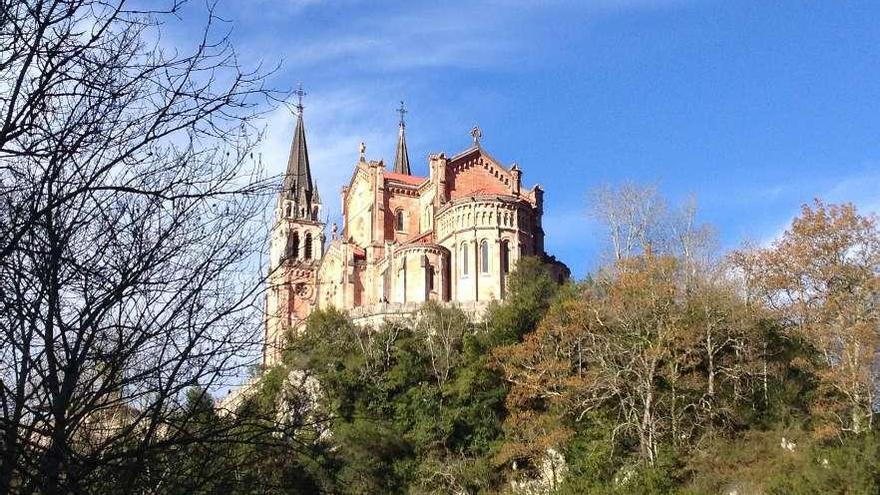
[692,242]
[639,221]
[631,213]
[129,208]
[442,331]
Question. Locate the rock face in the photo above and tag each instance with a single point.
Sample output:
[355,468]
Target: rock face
[550,475]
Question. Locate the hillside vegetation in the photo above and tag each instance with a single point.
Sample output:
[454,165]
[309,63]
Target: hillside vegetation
[670,370]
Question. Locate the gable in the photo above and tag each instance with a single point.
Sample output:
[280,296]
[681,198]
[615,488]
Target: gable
[359,209]
[477,173]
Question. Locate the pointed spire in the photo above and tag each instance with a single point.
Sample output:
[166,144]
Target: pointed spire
[316,199]
[401,158]
[298,186]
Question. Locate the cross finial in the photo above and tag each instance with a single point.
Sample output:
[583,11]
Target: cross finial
[402,111]
[299,93]
[476,133]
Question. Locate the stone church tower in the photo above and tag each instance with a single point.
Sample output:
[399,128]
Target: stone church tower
[296,247]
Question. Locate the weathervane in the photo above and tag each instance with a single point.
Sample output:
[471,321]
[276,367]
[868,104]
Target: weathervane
[476,133]
[402,111]
[299,93]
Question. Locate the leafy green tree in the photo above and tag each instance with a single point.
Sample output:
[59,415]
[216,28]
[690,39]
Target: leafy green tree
[412,405]
[530,290]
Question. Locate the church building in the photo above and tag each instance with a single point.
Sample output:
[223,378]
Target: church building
[452,236]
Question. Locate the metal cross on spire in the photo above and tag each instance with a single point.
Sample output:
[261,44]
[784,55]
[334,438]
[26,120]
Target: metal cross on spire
[402,111]
[299,93]
[401,158]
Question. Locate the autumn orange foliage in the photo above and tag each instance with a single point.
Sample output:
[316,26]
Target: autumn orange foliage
[822,279]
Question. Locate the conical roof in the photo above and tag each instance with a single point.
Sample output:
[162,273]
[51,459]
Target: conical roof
[299,174]
[401,158]
[298,185]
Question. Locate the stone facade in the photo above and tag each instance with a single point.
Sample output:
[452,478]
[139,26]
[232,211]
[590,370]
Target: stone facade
[451,237]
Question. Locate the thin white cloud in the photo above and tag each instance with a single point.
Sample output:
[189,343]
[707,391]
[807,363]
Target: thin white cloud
[860,189]
[395,41]
[863,190]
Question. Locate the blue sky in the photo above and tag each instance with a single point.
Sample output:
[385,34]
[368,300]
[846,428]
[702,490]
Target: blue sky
[754,107]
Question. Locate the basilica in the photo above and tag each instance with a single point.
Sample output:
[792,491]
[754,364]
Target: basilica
[452,236]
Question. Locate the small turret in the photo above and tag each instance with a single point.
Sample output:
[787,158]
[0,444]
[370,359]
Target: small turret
[516,173]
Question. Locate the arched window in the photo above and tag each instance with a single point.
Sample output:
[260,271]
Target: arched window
[398,220]
[429,277]
[464,259]
[505,257]
[308,247]
[293,247]
[287,213]
[484,256]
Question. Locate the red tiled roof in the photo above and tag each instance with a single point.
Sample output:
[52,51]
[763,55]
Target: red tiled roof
[407,179]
